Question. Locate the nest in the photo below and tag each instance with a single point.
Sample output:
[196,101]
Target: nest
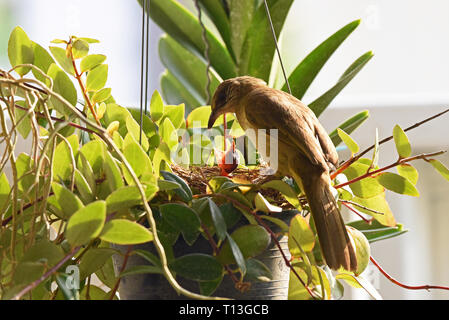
[197,178]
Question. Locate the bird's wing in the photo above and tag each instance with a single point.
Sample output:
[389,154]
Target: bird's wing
[267,108]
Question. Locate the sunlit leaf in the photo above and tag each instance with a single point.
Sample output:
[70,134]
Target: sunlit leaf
[397,183]
[20,50]
[402,144]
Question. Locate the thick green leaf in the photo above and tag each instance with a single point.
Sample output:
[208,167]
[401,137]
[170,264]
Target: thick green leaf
[137,158]
[365,188]
[20,50]
[127,197]
[93,153]
[184,192]
[257,271]
[320,104]
[304,74]
[182,63]
[24,126]
[263,205]
[218,219]
[64,86]
[251,239]
[80,48]
[93,260]
[349,142]
[43,60]
[379,204]
[83,187]
[102,95]
[349,126]
[183,219]
[300,236]
[441,168]
[401,141]
[68,201]
[114,112]
[125,232]
[375,231]
[183,26]
[63,60]
[113,174]
[175,93]
[259,47]
[86,224]
[176,114]
[199,118]
[91,61]
[4,192]
[240,18]
[62,162]
[97,77]
[409,172]
[397,183]
[156,106]
[236,254]
[198,267]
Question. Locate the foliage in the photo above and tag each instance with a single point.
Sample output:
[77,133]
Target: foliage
[94,178]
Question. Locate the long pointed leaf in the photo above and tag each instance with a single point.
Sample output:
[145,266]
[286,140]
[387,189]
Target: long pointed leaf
[320,104]
[258,49]
[304,74]
[175,93]
[240,15]
[182,25]
[349,126]
[187,67]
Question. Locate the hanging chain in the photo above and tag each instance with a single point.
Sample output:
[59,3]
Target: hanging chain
[277,47]
[206,51]
[144,63]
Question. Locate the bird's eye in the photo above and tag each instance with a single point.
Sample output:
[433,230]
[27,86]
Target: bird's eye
[222,97]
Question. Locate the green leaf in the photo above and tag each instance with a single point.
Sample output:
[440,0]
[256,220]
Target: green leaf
[102,95]
[125,232]
[198,267]
[240,17]
[183,219]
[320,104]
[218,219]
[401,141]
[93,260]
[441,168]
[349,126]
[397,183]
[349,142]
[183,26]
[137,158]
[113,174]
[199,118]
[175,93]
[379,204]
[83,187]
[168,133]
[90,40]
[97,77]
[409,172]
[43,60]
[24,127]
[91,61]
[300,236]
[175,114]
[182,63]
[93,153]
[257,271]
[64,86]
[62,162]
[184,192]
[63,60]
[304,74]
[375,231]
[365,188]
[86,224]
[236,254]
[4,192]
[251,239]
[259,47]
[150,257]
[80,48]
[127,197]
[20,50]
[156,106]
[67,200]
[263,205]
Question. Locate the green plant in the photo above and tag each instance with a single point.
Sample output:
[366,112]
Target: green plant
[93,177]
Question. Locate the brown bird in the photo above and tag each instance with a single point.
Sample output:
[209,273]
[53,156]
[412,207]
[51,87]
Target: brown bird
[305,152]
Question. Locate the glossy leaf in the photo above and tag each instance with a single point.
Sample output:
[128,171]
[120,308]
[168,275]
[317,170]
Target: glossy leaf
[80,48]
[127,197]
[20,50]
[402,144]
[441,168]
[97,77]
[184,191]
[301,238]
[137,158]
[349,142]
[397,183]
[236,253]
[175,93]
[156,106]
[263,205]
[349,126]
[67,200]
[251,239]
[62,162]
[365,188]
[125,232]
[257,271]
[64,86]
[183,219]
[304,74]
[83,187]
[320,104]
[113,174]
[198,267]
[94,259]
[86,224]
[409,172]
[101,95]
[379,204]
[375,231]
[43,60]
[63,60]
[218,220]
[91,61]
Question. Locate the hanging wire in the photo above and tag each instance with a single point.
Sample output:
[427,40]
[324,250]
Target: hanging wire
[277,47]
[206,52]
[144,63]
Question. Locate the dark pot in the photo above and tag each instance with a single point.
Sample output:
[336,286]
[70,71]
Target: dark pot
[156,287]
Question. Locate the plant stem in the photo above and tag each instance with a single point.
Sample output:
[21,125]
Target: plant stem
[398,162]
[117,283]
[423,287]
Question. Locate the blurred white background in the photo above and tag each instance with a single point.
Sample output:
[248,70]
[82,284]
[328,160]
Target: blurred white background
[405,82]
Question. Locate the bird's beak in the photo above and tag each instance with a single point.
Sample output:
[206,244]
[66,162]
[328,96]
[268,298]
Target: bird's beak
[213,117]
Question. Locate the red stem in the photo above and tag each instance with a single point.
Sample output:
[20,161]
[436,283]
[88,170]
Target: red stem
[424,287]
[356,212]
[117,283]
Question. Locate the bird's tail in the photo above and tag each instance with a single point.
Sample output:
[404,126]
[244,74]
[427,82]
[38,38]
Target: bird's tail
[334,240]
